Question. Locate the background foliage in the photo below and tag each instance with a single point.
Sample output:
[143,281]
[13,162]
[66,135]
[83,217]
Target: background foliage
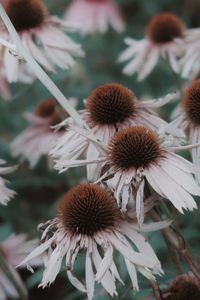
[39,190]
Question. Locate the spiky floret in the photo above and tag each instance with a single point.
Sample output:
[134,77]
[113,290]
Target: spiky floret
[87,209]
[26,14]
[191,102]
[164,28]
[45,108]
[110,103]
[134,147]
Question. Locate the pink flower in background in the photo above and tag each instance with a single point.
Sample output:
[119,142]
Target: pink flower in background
[39,138]
[95,16]
[6,194]
[14,250]
[43,34]
[164,38]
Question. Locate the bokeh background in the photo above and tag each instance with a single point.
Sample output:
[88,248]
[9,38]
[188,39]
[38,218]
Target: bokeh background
[39,190]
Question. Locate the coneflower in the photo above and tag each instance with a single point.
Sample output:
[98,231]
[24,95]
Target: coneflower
[43,34]
[162,34]
[40,137]
[89,220]
[109,108]
[137,158]
[189,120]
[95,16]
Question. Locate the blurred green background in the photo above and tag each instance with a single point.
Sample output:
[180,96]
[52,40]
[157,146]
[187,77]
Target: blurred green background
[39,190]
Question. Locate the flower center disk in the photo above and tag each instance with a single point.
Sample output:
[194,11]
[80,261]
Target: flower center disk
[184,291]
[88,209]
[134,147]
[110,103]
[164,28]
[191,102]
[26,14]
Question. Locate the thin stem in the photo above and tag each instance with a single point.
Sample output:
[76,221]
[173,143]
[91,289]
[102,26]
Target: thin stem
[174,237]
[156,290]
[12,275]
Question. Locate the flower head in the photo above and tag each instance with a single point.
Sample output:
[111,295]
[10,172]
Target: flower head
[89,220]
[134,147]
[26,15]
[109,108]
[39,138]
[184,287]
[138,158]
[95,16]
[6,194]
[164,28]
[189,120]
[41,33]
[162,34]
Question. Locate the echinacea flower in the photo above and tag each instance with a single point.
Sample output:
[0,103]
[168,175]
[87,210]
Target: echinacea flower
[160,41]
[88,220]
[184,287]
[95,16]
[137,159]
[39,138]
[109,108]
[190,62]
[44,36]
[189,120]
[6,194]
[14,250]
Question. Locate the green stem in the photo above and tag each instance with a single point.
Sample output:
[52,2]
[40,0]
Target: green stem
[13,276]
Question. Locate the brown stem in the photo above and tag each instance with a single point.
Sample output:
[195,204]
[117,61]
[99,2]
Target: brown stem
[156,290]
[173,237]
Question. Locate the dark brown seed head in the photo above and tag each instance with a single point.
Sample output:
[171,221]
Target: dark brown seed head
[55,118]
[164,28]
[134,147]
[191,102]
[26,14]
[184,290]
[46,108]
[110,103]
[87,209]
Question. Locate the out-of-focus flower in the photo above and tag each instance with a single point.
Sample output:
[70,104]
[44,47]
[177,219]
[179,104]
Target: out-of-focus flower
[184,287]
[137,159]
[39,138]
[109,108]
[14,250]
[190,62]
[189,120]
[6,194]
[95,16]
[164,38]
[89,220]
[43,34]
